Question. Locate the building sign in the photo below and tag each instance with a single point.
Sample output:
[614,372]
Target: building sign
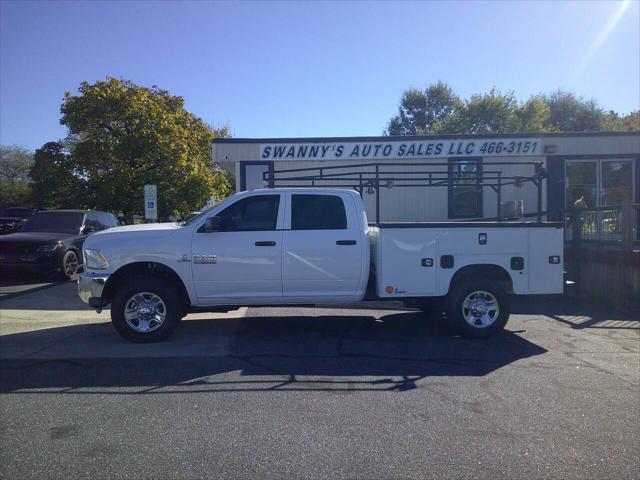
[150,202]
[410,149]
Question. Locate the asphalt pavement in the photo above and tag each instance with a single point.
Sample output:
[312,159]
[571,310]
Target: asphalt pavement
[318,393]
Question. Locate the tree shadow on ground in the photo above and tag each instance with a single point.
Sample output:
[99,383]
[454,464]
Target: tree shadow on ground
[341,354]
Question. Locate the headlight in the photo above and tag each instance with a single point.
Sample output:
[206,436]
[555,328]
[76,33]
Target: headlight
[47,248]
[95,260]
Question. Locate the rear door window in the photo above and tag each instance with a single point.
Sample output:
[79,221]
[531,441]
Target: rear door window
[317,212]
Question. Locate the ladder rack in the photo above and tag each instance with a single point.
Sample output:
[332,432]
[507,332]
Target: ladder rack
[371,177]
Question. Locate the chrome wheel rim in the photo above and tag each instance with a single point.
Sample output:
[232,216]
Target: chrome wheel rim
[480,309]
[71,264]
[145,312]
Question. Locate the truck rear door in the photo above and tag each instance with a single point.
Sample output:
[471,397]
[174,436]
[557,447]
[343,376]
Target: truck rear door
[322,246]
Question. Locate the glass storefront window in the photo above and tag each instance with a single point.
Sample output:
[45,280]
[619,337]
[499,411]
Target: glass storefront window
[617,186]
[582,185]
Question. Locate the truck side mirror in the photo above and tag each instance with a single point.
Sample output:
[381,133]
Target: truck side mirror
[211,224]
[87,229]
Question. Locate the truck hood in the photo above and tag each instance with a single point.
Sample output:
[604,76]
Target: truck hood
[122,244]
[41,238]
[143,227]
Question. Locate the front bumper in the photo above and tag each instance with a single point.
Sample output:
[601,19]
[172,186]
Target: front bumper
[90,287]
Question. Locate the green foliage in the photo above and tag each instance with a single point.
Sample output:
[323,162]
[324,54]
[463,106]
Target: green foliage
[532,115]
[123,136]
[56,181]
[15,163]
[614,122]
[568,113]
[492,112]
[439,110]
[424,112]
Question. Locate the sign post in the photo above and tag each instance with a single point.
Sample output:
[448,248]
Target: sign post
[150,202]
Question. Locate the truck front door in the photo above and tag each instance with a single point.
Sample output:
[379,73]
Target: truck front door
[322,252]
[243,260]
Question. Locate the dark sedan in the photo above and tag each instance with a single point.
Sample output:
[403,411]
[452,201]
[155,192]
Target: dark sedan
[51,241]
[12,218]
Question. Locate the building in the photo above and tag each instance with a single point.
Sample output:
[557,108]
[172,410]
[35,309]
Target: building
[587,170]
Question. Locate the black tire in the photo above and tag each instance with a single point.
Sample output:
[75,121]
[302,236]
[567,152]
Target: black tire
[172,309]
[70,265]
[477,325]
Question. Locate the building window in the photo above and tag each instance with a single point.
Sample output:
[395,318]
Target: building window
[317,212]
[599,183]
[465,191]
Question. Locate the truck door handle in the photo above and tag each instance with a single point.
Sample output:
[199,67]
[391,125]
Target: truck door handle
[345,242]
[265,244]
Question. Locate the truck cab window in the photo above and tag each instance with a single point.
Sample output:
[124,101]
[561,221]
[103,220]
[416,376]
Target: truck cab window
[317,212]
[258,212]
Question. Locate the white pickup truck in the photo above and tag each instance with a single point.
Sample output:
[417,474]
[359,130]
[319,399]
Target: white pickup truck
[308,246]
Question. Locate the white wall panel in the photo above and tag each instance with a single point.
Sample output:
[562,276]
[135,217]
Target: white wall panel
[431,203]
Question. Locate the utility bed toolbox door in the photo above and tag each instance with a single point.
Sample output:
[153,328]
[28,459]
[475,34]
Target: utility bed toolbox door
[544,276]
[407,262]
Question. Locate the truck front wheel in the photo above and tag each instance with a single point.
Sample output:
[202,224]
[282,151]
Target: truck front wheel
[145,310]
[477,309]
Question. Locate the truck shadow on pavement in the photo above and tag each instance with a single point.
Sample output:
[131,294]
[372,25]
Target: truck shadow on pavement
[14,285]
[577,313]
[345,354]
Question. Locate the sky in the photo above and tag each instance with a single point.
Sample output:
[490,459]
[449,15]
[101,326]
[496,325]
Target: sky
[307,69]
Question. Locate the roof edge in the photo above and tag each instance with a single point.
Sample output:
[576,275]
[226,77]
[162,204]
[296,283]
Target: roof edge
[424,137]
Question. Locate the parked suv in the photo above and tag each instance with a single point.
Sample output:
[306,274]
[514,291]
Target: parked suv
[51,241]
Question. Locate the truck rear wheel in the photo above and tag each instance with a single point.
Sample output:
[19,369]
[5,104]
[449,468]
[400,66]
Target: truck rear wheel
[146,310]
[478,308]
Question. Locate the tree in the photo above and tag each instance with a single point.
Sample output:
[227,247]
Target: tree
[123,136]
[439,110]
[569,113]
[491,112]
[614,122]
[56,181]
[533,115]
[424,112]
[15,163]
[631,122]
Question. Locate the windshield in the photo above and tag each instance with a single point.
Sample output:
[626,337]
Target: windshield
[15,212]
[58,222]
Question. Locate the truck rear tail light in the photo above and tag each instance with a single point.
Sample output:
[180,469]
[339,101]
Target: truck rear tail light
[554,259]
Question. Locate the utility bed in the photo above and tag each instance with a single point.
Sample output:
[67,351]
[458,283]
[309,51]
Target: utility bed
[421,259]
